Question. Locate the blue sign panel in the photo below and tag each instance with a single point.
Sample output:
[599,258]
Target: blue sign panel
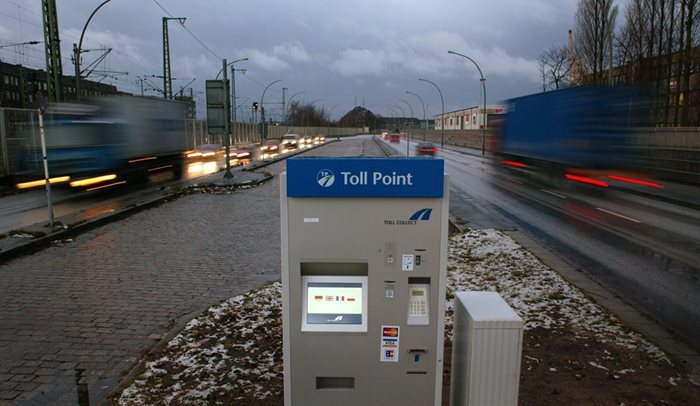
[365,177]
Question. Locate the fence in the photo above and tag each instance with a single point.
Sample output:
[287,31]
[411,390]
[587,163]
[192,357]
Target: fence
[19,131]
[670,153]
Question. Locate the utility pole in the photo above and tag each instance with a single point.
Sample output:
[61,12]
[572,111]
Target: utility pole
[233,89]
[52,45]
[284,105]
[167,79]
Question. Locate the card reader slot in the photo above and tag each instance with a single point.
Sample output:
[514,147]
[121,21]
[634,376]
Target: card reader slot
[417,350]
[417,372]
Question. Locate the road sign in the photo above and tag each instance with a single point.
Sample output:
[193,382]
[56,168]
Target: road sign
[217,95]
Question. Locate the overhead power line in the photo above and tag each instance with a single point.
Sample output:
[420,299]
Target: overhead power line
[182,23]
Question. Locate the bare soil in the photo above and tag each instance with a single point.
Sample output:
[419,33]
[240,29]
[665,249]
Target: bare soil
[557,369]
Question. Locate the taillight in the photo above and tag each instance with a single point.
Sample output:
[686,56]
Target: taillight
[636,181]
[587,180]
[513,163]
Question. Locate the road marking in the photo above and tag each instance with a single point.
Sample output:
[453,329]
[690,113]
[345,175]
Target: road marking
[553,194]
[618,215]
[513,180]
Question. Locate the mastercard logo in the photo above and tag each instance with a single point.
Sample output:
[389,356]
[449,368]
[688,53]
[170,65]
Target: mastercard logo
[390,332]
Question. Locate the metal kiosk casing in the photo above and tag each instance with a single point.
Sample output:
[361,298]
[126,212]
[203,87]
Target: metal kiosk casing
[364,260]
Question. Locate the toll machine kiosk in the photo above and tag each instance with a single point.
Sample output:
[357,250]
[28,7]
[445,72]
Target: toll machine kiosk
[364,259]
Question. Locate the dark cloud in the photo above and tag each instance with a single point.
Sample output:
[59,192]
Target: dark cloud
[341,52]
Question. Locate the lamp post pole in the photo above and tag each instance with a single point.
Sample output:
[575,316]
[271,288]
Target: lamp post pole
[442,117]
[483,87]
[422,104]
[262,110]
[77,49]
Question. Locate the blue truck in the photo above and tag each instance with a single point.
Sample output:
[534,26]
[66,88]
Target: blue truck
[583,131]
[107,141]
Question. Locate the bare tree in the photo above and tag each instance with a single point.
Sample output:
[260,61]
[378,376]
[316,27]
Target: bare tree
[306,114]
[595,24]
[690,17]
[658,46]
[555,66]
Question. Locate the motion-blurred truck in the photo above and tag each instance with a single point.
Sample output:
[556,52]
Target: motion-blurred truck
[106,142]
[580,133]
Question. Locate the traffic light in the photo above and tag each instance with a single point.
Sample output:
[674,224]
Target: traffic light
[255,105]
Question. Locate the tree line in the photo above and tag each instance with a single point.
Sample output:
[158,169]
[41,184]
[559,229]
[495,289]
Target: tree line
[653,46]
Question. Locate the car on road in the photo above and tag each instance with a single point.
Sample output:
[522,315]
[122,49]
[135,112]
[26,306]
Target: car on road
[271,146]
[319,139]
[395,137]
[306,141]
[245,152]
[290,141]
[426,149]
[206,152]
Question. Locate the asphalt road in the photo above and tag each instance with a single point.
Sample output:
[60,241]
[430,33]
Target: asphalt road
[643,247]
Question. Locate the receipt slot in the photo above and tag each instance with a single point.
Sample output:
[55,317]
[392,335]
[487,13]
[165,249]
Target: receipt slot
[364,259]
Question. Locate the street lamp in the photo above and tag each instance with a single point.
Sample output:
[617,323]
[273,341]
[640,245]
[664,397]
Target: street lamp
[483,86]
[422,104]
[262,110]
[230,63]
[442,118]
[77,51]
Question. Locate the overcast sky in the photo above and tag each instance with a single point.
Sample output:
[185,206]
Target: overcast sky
[341,53]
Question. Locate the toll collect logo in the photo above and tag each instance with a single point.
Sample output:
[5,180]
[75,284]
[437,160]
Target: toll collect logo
[325,178]
[420,215]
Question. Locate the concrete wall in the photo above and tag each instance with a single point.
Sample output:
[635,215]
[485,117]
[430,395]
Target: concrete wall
[671,153]
[277,131]
[462,138]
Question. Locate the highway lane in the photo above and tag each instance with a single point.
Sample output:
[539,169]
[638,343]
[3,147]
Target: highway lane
[642,248]
[29,207]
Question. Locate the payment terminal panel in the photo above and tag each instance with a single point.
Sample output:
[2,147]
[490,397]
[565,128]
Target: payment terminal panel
[418,301]
[364,260]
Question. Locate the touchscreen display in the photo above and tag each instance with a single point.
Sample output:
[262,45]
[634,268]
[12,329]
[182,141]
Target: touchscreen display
[334,303]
